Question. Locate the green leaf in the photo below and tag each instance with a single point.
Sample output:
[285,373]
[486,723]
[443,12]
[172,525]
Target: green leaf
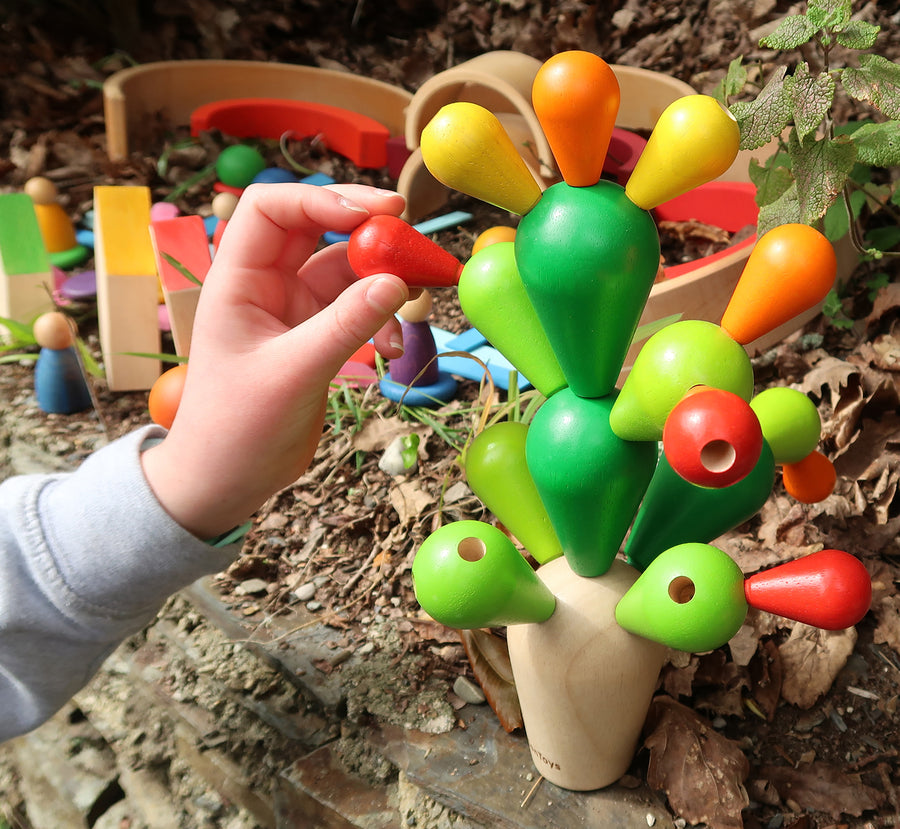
[836,223]
[857,34]
[771,180]
[811,97]
[883,238]
[821,168]
[91,366]
[733,82]
[878,144]
[829,14]
[833,308]
[410,450]
[21,333]
[766,116]
[783,211]
[793,31]
[18,357]
[876,81]
[180,268]
[876,283]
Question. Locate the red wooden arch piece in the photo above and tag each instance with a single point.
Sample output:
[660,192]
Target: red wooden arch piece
[361,139]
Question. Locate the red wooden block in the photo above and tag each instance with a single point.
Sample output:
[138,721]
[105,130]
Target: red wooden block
[361,139]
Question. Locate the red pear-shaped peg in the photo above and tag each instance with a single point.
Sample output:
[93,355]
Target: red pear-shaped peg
[830,589]
[387,244]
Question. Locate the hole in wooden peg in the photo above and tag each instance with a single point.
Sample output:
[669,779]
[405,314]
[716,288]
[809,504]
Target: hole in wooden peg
[718,456]
[471,549]
[681,590]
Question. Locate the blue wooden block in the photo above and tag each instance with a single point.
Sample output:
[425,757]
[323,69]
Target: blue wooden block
[474,343]
[319,179]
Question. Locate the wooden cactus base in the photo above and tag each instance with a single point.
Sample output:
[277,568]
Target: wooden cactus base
[584,683]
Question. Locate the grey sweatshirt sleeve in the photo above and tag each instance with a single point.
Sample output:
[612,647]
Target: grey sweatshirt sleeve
[86,559]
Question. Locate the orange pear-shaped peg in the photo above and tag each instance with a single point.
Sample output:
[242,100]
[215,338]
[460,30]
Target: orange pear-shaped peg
[790,269]
[576,99]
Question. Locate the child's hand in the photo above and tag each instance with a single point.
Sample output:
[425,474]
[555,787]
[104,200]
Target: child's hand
[274,325]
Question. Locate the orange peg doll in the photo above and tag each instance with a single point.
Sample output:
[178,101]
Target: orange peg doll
[57,228]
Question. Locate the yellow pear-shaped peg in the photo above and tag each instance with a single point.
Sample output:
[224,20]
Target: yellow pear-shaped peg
[466,147]
[694,141]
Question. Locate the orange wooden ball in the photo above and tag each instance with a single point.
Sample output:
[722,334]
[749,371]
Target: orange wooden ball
[498,233]
[810,480]
[165,395]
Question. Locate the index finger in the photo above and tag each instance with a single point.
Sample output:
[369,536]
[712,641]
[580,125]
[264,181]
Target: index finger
[270,218]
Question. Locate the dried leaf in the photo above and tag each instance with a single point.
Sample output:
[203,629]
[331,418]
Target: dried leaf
[767,676]
[701,772]
[812,658]
[378,433]
[822,787]
[887,612]
[489,658]
[409,500]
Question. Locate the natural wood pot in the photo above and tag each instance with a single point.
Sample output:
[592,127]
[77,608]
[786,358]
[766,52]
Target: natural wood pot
[584,683]
[174,89]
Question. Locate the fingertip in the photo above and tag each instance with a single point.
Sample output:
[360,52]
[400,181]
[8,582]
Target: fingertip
[386,293]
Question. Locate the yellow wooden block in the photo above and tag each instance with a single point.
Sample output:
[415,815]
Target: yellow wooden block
[127,287]
[125,241]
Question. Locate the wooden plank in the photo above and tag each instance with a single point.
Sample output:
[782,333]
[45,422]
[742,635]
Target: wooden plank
[184,239]
[127,286]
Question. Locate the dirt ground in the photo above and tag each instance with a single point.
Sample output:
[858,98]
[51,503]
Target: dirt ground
[768,718]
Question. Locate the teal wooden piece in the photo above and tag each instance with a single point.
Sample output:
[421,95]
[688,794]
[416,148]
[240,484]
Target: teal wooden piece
[588,258]
[690,598]
[590,481]
[675,511]
[493,298]
[685,354]
[468,574]
[497,472]
[790,422]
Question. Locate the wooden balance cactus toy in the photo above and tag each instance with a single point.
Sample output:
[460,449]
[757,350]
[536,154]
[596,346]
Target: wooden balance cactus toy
[588,630]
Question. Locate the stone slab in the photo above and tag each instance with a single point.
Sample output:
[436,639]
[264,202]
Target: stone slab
[486,775]
[316,792]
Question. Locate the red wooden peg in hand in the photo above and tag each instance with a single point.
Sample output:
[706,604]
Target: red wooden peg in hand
[386,244]
[829,589]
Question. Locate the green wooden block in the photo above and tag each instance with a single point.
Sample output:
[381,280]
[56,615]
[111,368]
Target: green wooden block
[22,248]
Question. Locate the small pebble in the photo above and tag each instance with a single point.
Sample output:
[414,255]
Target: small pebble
[392,462]
[312,607]
[252,587]
[305,591]
[467,690]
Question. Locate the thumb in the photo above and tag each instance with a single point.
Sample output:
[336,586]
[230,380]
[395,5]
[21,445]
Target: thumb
[331,337]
